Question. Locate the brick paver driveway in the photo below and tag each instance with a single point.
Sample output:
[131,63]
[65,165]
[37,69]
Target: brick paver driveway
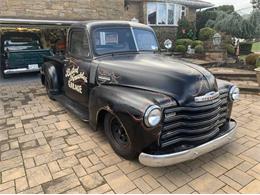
[45,149]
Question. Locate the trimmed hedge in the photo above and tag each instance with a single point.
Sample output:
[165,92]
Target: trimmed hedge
[199,49]
[206,34]
[197,42]
[252,58]
[180,48]
[185,42]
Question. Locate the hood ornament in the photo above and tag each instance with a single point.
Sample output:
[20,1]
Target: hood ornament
[208,97]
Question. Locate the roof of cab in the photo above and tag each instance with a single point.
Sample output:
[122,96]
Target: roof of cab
[101,23]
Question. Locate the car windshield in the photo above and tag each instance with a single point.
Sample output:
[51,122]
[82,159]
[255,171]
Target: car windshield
[21,43]
[116,40]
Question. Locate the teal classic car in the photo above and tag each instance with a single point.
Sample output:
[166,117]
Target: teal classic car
[21,52]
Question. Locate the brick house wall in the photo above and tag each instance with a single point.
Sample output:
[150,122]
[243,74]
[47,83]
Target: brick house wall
[63,9]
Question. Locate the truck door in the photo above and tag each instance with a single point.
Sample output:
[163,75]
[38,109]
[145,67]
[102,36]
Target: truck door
[77,67]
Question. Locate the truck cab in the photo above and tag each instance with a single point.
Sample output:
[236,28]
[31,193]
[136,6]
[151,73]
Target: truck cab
[152,107]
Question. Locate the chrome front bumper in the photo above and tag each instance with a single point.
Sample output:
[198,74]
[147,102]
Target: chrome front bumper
[20,70]
[175,158]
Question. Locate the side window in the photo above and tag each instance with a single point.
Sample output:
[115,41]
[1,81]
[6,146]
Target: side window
[79,45]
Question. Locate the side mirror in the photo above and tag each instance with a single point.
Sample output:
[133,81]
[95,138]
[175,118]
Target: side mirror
[168,44]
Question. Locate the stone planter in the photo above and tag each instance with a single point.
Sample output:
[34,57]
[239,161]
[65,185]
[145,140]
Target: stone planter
[258,75]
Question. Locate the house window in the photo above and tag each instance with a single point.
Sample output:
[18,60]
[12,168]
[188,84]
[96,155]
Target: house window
[164,13]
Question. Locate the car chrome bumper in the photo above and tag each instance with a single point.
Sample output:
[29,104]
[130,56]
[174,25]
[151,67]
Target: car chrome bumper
[20,70]
[178,157]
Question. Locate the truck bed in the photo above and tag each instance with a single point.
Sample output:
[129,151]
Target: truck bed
[21,59]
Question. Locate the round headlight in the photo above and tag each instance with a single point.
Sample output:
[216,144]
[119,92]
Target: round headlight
[152,116]
[234,93]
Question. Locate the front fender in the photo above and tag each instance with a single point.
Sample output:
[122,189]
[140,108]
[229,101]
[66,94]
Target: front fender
[129,105]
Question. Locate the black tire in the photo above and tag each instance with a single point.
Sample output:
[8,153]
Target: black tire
[48,87]
[118,138]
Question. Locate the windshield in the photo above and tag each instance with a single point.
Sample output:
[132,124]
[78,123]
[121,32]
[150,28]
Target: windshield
[116,40]
[21,43]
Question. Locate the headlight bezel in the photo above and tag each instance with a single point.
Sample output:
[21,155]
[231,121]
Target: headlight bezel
[234,93]
[148,113]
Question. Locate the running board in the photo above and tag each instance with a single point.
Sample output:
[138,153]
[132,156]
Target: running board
[74,107]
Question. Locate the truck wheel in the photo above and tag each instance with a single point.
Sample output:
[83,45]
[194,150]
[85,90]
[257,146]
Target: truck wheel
[118,138]
[48,89]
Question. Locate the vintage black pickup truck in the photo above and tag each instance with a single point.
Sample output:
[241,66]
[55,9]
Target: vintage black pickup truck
[154,107]
[21,52]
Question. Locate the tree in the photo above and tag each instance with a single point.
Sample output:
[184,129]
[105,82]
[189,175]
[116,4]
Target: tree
[256,4]
[226,8]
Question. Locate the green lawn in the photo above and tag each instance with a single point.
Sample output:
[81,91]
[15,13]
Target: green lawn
[256,47]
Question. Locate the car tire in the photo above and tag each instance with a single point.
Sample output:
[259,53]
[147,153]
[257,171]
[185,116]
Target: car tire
[118,138]
[48,89]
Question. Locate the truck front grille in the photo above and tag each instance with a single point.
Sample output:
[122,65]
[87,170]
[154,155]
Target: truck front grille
[194,124]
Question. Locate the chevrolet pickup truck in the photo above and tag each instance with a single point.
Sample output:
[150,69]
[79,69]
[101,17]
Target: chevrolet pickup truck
[152,107]
[21,52]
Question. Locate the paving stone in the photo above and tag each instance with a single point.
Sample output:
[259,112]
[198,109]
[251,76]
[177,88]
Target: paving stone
[184,190]
[79,170]
[108,170]
[230,182]
[100,190]
[61,184]
[178,177]
[214,169]
[53,167]
[95,168]
[165,182]
[119,182]
[49,157]
[151,181]
[253,153]
[110,159]
[62,125]
[252,188]
[38,175]
[87,145]
[129,166]
[85,162]
[227,189]
[12,174]
[92,181]
[10,154]
[8,191]
[68,162]
[239,176]
[36,151]
[29,163]
[206,184]
[62,173]
[228,161]
[142,185]
[21,184]
[76,190]
[74,140]
[34,190]
[7,185]
[159,190]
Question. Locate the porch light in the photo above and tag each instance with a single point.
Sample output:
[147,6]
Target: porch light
[217,39]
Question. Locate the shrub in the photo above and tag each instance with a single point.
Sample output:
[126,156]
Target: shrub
[199,49]
[230,49]
[251,59]
[186,29]
[185,42]
[180,48]
[195,43]
[206,34]
[258,62]
[245,48]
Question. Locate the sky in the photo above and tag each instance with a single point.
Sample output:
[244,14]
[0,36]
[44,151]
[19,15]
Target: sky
[239,4]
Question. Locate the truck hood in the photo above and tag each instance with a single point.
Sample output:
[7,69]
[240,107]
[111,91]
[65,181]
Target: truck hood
[154,72]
